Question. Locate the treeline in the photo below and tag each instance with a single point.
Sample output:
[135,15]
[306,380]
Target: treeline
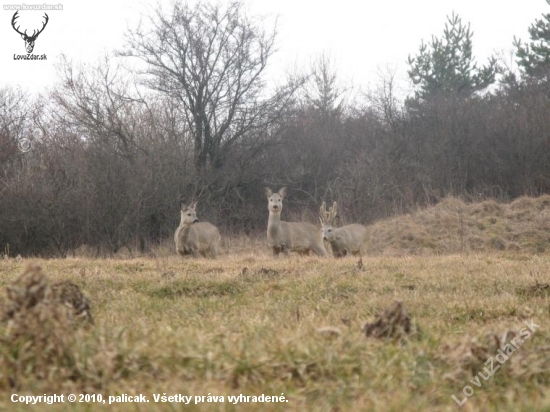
[184,111]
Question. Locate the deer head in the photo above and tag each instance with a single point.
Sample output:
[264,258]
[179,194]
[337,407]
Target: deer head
[188,213]
[328,219]
[29,40]
[275,200]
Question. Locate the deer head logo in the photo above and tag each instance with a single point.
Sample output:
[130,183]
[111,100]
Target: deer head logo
[29,40]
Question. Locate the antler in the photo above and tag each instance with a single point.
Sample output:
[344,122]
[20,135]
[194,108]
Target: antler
[328,216]
[43,26]
[324,214]
[333,211]
[15,16]
[34,33]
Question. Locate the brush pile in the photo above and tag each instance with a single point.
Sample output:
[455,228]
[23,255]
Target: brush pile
[37,328]
[394,323]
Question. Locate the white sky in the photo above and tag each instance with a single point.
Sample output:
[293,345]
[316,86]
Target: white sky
[361,36]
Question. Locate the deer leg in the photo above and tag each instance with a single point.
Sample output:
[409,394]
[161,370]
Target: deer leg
[278,249]
[319,251]
[214,251]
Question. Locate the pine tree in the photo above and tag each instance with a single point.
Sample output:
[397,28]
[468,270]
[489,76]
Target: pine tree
[534,58]
[446,64]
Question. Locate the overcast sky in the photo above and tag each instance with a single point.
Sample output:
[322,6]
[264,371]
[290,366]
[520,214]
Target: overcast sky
[361,36]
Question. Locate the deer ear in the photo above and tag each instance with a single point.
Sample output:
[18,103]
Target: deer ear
[268,192]
[282,191]
[336,221]
[194,205]
[182,204]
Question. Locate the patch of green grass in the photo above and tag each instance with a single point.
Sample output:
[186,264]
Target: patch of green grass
[195,288]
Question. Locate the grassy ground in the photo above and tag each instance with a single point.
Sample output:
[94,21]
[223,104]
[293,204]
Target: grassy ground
[172,326]
[453,226]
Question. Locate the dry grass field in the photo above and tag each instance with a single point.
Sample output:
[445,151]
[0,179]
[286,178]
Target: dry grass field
[453,226]
[250,324]
[254,325]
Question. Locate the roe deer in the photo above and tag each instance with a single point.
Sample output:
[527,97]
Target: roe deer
[290,236]
[343,240]
[193,237]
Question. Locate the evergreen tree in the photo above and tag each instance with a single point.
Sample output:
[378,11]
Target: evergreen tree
[534,58]
[324,91]
[446,64]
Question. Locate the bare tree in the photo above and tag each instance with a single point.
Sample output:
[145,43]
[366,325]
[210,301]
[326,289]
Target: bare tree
[211,59]
[383,99]
[15,115]
[97,101]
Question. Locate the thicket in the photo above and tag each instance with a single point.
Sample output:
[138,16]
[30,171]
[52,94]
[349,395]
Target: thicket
[114,149]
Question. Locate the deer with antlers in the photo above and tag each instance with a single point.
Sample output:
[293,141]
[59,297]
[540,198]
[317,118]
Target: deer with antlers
[344,240]
[29,40]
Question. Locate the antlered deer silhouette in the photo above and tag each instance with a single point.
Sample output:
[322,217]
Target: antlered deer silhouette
[29,40]
[345,240]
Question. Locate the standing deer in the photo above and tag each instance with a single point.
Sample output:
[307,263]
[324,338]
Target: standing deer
[193,237]
[343,240]
[288,237]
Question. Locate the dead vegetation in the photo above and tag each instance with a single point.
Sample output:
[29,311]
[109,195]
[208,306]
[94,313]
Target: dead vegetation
[453,226]
[32,293]
[495,352]
[540,290]
[259,274]
[251,324]
[393,323]
[39,323]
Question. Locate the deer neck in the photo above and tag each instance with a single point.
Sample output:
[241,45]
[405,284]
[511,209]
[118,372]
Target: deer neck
[273,224]
[185,229]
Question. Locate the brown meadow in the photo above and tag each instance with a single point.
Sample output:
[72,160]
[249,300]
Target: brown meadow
[255,325]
